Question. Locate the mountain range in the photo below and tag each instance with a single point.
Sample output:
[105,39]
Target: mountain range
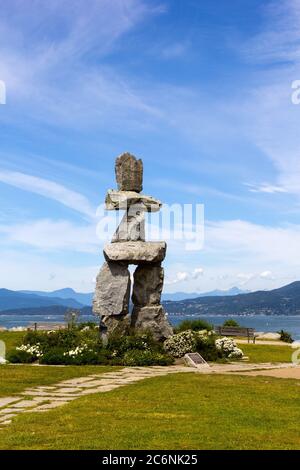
[69,298]
[65,294]
[214,293]
[16,300]
[282,301]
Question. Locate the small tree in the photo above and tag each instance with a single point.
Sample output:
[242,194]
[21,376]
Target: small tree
[71,317]
[194,325]
[285,336]
[231,322]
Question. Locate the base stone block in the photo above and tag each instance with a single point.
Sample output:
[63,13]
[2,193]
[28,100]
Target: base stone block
[119,324]
[152,319]
[135,252]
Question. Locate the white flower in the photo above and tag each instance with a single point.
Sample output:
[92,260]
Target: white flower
[77,351]
[180,344]
[236,354]
[229,348]
[33,350]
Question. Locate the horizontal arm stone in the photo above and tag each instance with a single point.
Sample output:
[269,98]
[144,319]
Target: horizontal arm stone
[116,200]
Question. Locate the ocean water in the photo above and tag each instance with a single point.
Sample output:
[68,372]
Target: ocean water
[259,322]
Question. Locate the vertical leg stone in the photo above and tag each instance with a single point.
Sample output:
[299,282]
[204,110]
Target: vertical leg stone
[111,300]
[148,285]
[147,313]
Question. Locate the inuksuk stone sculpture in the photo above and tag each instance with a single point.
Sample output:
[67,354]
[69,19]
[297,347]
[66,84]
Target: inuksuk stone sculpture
[128,246]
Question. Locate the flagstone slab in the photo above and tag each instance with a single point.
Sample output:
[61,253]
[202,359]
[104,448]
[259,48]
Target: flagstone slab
[67,390]
[50,406]
[7,400]
[24,404]
[78,380]
[45,394]
[105,388]
[6,411]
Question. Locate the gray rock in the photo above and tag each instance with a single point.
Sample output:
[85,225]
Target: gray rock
[116,200]
[119,324]
[112,290]
[152,319]
[136,252]
[147,286]
[129,173]
[132,226]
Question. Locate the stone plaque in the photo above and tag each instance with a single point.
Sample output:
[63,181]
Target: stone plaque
[195,360]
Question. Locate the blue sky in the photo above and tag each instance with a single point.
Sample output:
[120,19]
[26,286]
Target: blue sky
[200,89]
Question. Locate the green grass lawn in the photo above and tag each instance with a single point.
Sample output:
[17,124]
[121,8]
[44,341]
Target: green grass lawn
[11,338]
[15,378]
[267,352]
[180,411]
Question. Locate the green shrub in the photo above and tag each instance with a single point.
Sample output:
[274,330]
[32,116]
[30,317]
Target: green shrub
[146,358]
[231,322]
[206,346]
[63,339]
[53,356]
[20,357]
[60,357]
[120,344]
[285,336]
[193,325]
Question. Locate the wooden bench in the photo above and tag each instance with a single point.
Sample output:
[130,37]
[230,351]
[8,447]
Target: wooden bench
[236,331]
[47,326]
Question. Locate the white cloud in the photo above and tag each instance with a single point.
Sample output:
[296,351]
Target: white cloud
[271,120]
[266,275]
[253,243]
[37,272]
[46,69]
[198,272]
[183,276]
[48,235]
[49,189]
[266,188]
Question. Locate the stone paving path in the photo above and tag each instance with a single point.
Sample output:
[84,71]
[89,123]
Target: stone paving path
[43,398]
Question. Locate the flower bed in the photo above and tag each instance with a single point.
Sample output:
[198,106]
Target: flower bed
[79,346]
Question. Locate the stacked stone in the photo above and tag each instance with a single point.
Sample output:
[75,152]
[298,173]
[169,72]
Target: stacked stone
[128,246]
